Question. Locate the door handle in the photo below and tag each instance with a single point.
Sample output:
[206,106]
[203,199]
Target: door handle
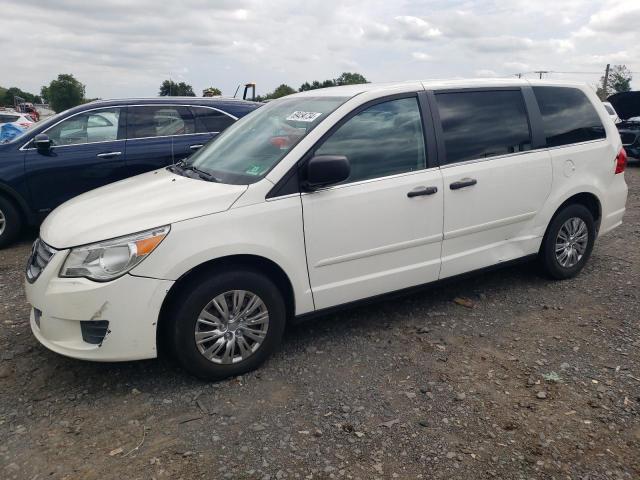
[420,191]
[108,154]
[195,147]
[465,182]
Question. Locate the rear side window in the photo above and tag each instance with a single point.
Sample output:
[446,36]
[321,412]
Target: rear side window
[209,120]
[384,139]
[159,121]
[483,124]
[567,116]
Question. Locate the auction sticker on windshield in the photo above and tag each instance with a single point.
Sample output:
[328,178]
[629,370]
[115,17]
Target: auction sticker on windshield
[298,116]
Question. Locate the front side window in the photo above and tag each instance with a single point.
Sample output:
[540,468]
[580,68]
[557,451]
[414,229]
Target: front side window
[249,148]
[385,139]
[567,116]
[483,124]
[89,127]
[159,121]
[209,120]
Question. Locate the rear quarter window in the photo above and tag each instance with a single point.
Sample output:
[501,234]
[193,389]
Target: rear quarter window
[567,116]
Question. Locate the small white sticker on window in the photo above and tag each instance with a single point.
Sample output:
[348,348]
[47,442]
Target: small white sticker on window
[304,116]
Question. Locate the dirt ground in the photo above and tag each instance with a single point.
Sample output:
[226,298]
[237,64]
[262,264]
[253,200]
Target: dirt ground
[536,380]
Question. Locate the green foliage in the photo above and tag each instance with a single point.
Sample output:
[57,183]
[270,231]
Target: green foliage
[173,89]
[64,92]
[347,78]
[211,92]
[7,95]
[619,81]
[281,91]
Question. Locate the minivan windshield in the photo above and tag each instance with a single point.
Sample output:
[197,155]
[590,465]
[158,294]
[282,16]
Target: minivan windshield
[248,149]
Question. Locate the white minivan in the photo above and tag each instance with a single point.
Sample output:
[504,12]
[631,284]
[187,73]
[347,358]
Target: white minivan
[322,199]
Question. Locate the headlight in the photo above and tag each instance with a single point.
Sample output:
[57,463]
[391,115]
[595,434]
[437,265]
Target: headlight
[112,258]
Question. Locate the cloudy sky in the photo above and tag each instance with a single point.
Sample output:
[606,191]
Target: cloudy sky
[121,48]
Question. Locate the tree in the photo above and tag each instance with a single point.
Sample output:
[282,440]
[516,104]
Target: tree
[64,92]
[280,91]
[211,92]
[619,81]
[173,89]
[7,95]
[347,78]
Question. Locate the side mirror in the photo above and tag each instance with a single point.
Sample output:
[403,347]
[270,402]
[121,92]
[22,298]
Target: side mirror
[324,170]
[43,143]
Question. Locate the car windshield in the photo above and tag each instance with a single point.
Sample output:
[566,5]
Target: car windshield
[247,150]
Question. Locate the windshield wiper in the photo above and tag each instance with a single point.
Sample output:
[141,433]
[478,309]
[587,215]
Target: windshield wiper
[201,173]
[181,168]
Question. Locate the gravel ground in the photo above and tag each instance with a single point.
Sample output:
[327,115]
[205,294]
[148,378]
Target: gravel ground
[504,375]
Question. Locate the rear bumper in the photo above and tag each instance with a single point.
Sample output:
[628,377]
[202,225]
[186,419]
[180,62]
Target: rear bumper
[130,304]
[614,204]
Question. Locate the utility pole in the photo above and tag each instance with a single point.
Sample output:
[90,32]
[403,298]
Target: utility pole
[540,72]
[605,80]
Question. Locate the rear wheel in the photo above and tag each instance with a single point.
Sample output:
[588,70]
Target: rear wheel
[10,222]
[568,243]
[227,324]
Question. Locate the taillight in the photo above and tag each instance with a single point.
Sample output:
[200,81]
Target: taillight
[621,161]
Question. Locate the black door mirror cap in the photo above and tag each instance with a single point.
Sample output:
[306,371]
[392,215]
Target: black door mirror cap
[42,142]
[325,170]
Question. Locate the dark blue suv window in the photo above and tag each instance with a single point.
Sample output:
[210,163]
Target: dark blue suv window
[160,121]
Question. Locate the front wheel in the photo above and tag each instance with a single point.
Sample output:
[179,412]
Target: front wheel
[568,242]
[227,324]
[10,222]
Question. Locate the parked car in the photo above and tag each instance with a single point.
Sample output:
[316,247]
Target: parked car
[22,120]
[627,104]
[613,115]
[98,143]
[319,200]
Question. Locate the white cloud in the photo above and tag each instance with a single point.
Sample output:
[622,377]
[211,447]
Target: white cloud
[421,56]
[121,48]
[415,28]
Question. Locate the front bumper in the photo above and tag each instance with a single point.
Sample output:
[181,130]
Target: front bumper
[130,304]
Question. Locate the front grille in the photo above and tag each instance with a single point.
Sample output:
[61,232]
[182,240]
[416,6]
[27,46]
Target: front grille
[41,255]
[94,331]
[628,138]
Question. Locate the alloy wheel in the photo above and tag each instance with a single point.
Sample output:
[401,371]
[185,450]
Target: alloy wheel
[3,222]
[232,327]
[571,242]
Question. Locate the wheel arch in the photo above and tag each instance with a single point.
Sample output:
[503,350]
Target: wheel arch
[19,202]
[588,199]
[257,263]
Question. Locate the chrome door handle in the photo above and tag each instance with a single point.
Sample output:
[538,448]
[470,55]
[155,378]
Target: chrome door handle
[465,182]
[196,147]
[108,154]
[420,191]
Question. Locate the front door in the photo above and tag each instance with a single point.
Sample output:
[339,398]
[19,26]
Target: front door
[495,183]
[88,152]
[381,229]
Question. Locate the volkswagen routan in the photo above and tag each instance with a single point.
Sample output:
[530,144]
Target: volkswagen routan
[322,199]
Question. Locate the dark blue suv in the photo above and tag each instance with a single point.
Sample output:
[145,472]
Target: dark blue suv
[98,143]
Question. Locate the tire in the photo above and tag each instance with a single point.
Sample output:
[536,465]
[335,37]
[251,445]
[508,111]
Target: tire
[571,218]
[187,319]
[10,222]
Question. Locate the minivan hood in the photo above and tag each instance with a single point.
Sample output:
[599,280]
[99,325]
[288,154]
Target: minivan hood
[139,203]
[627,104]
